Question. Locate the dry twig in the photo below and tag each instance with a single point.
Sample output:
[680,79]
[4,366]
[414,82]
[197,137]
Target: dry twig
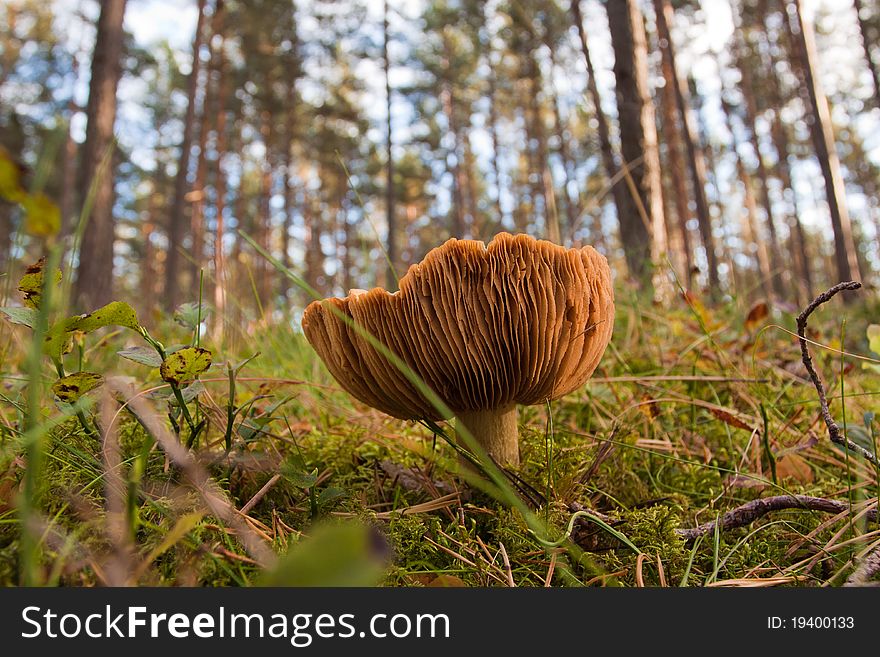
[833,429]
[751,511]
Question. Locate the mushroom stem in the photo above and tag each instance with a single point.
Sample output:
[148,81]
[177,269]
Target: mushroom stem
[496,431]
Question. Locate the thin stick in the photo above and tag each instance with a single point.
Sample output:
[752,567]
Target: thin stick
[751,511]
[833,429]
[506,564]
[260,494]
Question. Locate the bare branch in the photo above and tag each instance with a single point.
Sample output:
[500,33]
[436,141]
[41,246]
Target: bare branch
[751,511]
[833,429]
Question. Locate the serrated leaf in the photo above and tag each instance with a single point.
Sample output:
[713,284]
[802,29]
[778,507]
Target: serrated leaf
[24,316]
[143,355]
[31,284]
[185,365]
[70,388]
[188,314]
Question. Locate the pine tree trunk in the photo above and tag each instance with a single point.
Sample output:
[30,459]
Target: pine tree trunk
[696,161]
[681,247]
[264,228]
[570,201]
[609,161]
[493,131]
[94,282]
[458,226]
[778,272]
[845,258]
[391,218]
[754,244]
[644,232]
[797,245]
[177,212]
[220,276]
[866,45]
[547,189]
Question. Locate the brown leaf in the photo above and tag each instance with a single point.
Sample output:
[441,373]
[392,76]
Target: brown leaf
[729,418]
[447,582]
[795,467]
[759,312]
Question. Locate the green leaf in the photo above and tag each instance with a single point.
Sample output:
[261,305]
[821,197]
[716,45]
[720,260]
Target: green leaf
[190,392]
[185,365]
[24,316]
[300,479]
[31,284]
[188,314]
[142,355]
[115,313]
[70,388]
[330,494]
[334,555]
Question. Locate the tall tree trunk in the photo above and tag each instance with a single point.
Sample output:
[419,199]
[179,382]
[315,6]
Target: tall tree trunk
[547,189]
[223,91]
[797,246]
[177,211]
[94,282]
[68,170]
[264,228]
[148,264]
[644,234]
[493,132]
[314,250]
[197,197]
[866,45]
[682,251]
[609,162]
[458,225]
[696,162]
[391,219]
[570,201]
[846,260]
[778,272]
[289,189]
[754,244]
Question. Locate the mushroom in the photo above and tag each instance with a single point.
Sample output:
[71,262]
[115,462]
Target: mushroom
[520,321]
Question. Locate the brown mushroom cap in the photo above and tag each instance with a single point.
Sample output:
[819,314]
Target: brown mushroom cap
[519,321]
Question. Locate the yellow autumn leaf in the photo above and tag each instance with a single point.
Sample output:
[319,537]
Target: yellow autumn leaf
[42,217]
[10,183]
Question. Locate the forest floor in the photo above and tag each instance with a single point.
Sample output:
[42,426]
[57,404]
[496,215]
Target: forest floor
[693,412]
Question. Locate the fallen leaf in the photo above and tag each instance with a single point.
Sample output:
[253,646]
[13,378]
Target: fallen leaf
[795,467]
[758,313]
[729,418]
[447,582]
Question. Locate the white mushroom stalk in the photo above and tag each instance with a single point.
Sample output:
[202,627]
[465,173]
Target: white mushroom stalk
[520,321]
